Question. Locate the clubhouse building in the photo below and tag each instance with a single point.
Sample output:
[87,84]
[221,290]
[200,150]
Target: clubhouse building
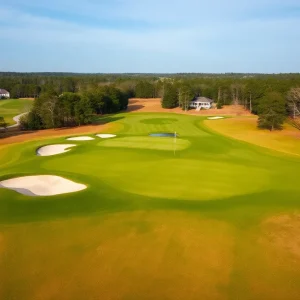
[201,102]
[4,94]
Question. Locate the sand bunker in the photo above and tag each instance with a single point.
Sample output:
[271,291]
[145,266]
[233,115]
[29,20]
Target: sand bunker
[105,135]
[54,149]
[42,185]
[80,138]
[215,118]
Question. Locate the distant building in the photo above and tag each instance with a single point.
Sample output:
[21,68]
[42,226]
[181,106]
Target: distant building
[4,94]
[201,102]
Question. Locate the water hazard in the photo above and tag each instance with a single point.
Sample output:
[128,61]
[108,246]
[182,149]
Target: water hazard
[164,134]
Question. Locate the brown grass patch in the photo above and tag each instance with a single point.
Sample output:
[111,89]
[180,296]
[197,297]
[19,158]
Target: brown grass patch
[245,129]
[283,234]
[269,259]
[279,245]
[141,255]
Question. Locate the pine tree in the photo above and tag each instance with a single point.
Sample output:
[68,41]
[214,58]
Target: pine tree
[271,111]
[170,98]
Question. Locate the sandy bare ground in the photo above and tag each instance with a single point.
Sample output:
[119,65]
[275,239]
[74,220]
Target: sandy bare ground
[42,185]
[154,105]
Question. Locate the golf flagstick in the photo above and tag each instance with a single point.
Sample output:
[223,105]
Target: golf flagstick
[175,143]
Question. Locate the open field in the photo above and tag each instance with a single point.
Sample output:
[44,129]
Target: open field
[205,217]
[12,107]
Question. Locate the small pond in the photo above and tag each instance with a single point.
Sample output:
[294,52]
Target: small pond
[163,134]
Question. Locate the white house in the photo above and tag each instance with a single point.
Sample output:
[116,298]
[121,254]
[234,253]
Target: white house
[201,102]
[4,94]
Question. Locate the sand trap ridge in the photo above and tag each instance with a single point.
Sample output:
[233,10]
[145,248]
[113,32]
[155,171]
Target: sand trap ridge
[42,185]
[105,135]
[80,138]
[215,118]
[54,149]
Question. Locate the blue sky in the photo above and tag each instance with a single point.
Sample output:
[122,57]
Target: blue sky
[150,36]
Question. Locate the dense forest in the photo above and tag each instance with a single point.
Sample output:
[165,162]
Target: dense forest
[66,99]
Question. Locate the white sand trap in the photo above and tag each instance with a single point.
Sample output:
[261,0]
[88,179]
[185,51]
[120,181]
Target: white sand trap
[105,135]
[80,138]
[42,185]
[215,118]
[54,149]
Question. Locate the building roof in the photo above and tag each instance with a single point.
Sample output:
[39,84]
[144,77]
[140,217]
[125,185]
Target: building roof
[203,99]
[3,91]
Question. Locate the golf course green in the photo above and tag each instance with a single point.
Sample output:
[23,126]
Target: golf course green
[199,216]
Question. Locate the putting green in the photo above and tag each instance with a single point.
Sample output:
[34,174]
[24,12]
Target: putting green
[207,221]
[145,142]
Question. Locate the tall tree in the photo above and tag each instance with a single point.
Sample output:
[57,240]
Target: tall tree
[185,96]
[49,107]
[293,101]
[31,121]
[170,98]
[271,111]
[144,89]
[83,111]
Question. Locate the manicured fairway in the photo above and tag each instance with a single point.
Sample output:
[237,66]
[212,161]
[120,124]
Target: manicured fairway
[12,107]
[200,217]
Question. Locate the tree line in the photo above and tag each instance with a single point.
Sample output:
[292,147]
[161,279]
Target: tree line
[72,109]
[249,90]
[272,102]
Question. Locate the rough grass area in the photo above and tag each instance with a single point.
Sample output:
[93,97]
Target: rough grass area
[245,129]
[12,107]
[217,220]
[108,257]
